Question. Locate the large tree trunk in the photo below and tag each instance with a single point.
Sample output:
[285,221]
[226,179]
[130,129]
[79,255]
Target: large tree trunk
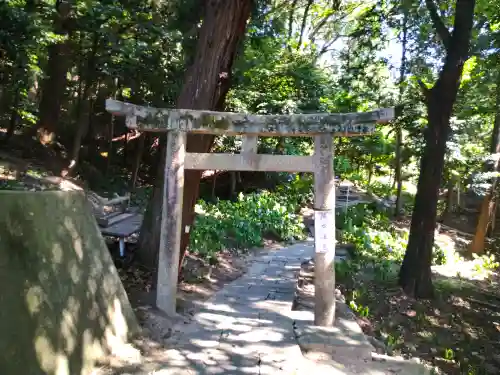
[415,273]
[205,87]
[488,206]
[54,85]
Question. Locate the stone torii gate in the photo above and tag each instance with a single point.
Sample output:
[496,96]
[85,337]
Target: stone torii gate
[323,127]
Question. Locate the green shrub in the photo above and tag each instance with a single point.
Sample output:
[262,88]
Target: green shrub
[376,238]
[298,191]
[243,224]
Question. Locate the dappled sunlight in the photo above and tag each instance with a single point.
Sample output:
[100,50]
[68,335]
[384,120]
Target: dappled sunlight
[57,253]
[76,237]
[249,328]
[219,307]
[117,333]
[91,347]
[261,336]
[67,307]
[243,329]
[449,326]
[35,296]
[69,327]
[45,353]
[442,330]
[464,269]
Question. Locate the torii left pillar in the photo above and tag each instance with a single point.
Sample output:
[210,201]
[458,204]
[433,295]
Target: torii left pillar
[170,237]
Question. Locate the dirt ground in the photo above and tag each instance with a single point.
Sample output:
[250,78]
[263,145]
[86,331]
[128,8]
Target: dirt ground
[457,331]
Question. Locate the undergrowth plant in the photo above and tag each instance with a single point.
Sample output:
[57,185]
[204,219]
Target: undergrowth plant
[245,223]
[378,241]
[298,191]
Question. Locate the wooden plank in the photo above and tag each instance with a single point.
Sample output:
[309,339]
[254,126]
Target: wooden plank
[324,206]
[247,162]
[170,235]
[210,122]
[117,200]
[124,228]
[113,218]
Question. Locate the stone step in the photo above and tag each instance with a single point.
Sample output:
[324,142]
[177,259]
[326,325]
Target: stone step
[345,339]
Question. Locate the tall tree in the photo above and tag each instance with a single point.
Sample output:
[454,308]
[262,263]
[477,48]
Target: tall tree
[399,130]
[488,205]
[206,84]
[415,273]
[54,85]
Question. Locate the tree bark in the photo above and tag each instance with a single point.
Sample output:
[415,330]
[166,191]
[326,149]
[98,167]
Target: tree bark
[304,22]
[232,188]
[137,160]
[415,273]
[290,19]
[370,170]
[493,218]
[488,206]
[83,115]
[448,209]
[398,176]
[214,184]
[205,86]
[54,85]
[13,119]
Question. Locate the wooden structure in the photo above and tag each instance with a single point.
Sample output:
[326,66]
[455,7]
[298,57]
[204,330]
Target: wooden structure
[323,127]
[115,218]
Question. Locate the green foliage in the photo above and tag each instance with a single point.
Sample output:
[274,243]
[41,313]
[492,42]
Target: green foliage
[140,197]
[377,240]
[299,191]
[343,270]
[243,224]
[382,245]
[486,262]
[128,47]
[449,354]
[362,311]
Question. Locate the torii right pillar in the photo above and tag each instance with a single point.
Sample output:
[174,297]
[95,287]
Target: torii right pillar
[324,228]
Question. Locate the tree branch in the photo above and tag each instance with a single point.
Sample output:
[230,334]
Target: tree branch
[326,46]
[441,29]
[462,26]
[304,22]
[423,87]
[318,27]
[290,19]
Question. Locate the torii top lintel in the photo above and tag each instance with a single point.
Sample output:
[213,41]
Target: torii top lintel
[229,123]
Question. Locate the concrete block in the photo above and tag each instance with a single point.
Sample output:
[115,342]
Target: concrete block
[63,303]
[344,339]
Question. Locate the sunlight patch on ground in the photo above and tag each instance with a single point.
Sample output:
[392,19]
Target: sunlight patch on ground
[464,269]
[479,268]
[410,187]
